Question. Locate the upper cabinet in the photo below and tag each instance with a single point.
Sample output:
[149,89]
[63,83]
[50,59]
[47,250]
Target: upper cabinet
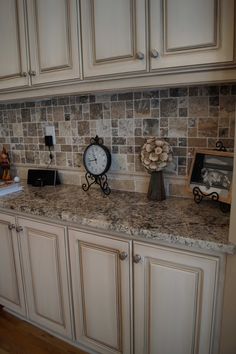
[13,44]
[113,37]
[84,43]
[50,54]
[189,32]
[181,34]
[53,40]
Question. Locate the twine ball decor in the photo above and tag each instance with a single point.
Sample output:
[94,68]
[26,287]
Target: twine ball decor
[155,154]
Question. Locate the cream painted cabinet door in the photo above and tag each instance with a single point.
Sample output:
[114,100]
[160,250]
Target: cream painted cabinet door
[189,32]
[54,40]
[11,285]
[46,279]
[113,37]
[100,270]
[174,301]
[13,44]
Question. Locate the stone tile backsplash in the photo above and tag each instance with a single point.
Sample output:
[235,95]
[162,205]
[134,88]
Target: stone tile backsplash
[187,117]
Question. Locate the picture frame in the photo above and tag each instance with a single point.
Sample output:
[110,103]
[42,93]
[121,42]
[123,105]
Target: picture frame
[212,172]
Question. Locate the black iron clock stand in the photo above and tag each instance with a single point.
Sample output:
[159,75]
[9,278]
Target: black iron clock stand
[100,180]
[199,195]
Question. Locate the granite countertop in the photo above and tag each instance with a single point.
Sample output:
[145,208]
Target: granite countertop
[175,220]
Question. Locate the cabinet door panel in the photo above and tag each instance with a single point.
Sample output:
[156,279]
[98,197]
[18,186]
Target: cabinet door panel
[11,286]
[53,34]
[54,40]
[12,44]
[184,15]
[189,32]
[166,280]
[46,244]
[101,294]
[177,290]
[113,32]
[44,261]
[110,44]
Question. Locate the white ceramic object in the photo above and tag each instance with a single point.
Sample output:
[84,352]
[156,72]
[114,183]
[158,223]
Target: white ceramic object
[17,179]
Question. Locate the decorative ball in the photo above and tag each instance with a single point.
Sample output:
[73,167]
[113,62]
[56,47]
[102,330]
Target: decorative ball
[155,154]
[17,179]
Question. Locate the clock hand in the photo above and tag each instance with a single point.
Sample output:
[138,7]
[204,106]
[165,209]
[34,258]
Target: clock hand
[93,160]
[94,154]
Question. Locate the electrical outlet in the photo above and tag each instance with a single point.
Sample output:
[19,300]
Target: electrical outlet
[50,130]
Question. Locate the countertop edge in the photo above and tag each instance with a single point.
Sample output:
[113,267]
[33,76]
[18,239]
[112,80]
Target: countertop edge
[143,234]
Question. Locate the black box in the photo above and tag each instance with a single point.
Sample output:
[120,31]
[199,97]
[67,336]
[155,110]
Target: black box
[41,178]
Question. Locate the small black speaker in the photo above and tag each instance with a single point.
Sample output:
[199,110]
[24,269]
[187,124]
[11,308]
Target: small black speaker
[39,178]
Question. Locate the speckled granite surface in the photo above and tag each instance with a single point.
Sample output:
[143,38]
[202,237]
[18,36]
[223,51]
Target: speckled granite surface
[175,220]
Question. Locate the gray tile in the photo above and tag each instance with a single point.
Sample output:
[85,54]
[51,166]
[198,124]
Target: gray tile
[117,110]
[168,107]
[142,108]
[151,127]
[96,111]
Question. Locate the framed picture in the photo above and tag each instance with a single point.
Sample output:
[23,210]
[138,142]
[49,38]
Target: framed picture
[212,171]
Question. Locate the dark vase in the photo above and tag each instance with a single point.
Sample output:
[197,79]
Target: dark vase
[156,189]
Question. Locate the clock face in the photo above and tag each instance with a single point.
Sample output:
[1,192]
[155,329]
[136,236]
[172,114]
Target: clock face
[97,159]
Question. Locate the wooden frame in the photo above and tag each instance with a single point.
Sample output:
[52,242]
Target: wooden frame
[212,171]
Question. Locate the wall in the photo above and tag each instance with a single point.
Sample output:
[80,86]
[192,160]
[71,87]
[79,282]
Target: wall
[187,117]
[228,338]
[232,236]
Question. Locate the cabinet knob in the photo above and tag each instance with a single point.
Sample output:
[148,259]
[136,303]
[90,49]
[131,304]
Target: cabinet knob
[137,258]
[19,228]
[123,255]
[11,226]
[23,74]
[32,73]
[154,53]
[140,56]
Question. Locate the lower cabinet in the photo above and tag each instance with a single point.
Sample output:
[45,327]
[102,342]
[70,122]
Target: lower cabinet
[128,297]
[101,278]
[11,284]
[44,263]
[174,301]
[174,297]
[33,258]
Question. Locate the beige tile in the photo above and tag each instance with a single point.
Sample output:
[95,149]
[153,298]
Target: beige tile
[58,114]
[197,142]
[207,127]
[138,165]
[178,190]
[124,184]
[117,110]
[198,106]
[61,159]
[177,127]
[192,132]
[65,129]
[227,106]
[17,129]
